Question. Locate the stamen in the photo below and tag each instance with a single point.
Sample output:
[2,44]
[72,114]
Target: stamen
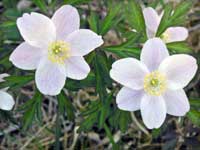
[155,83]
[58,51]
[165,37]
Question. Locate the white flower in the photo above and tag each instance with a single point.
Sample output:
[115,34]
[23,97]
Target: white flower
[152,21]
[6,100]
[155,83]
[55,48]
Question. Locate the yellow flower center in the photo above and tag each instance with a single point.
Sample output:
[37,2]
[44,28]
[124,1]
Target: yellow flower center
[165,37]
[58,52]
[155,83]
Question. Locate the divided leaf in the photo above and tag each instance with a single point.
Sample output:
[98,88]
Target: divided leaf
[173,17]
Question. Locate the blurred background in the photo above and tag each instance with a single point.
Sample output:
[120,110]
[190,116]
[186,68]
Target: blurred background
[76,119]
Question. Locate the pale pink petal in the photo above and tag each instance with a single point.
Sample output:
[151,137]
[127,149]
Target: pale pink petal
[36,29]
[128,99]
[153,111]
[179,70]
[83,41]
[129,72]
[175,34]
[152,21]
[50,77]
[77,68]
[66,20]
[153,53]
[177,102]
[7,102]
[26,56]
[150,33]
[2,76]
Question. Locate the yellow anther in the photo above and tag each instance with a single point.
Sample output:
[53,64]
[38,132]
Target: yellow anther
[155,83]
[165,37]
[58,52]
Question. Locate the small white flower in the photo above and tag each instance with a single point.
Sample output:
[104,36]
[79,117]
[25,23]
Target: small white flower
[55,48]
[155,83]
[152,21]
[6,100]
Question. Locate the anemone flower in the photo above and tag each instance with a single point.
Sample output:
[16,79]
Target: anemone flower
[7,102]
[152,21]
[55,48]
[155,83]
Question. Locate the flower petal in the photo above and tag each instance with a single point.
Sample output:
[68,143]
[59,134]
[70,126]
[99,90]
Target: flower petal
[26,56]
[77,68]
[179,70]
[128,99]
[150,33]
[2,76]
[7,102]
[129,72]
[177,102]
[50,77]
[153,110]
[83,41]
[66,20]
[152,20]
[153,53]
[176,34]
[36,29]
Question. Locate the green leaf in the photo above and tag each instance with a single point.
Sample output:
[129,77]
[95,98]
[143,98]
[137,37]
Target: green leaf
[87,124]
[179,47]
[155,3]
[156,132]
[195,103]
[135,17]
[164,23]
[76,2]
[93,107]
[120,119]
[11,14]
[182,9]
[105,109]
[194,116]
[64,104]
[173,18]
[110,20]
[14,82]
[102,67]
[123,51]
[32,110]
[126,49]
[75,85]
[93,21]
[41,4]
[10,3]
[124,120]
[109,135]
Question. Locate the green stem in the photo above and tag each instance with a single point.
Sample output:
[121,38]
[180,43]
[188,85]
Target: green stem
[109,134]
[139,125]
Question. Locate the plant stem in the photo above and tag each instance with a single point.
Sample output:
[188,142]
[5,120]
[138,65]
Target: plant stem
[139,125]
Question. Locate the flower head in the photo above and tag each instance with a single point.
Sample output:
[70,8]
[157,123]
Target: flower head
[152,21]
[155,83]
[55,48]
[6,100]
